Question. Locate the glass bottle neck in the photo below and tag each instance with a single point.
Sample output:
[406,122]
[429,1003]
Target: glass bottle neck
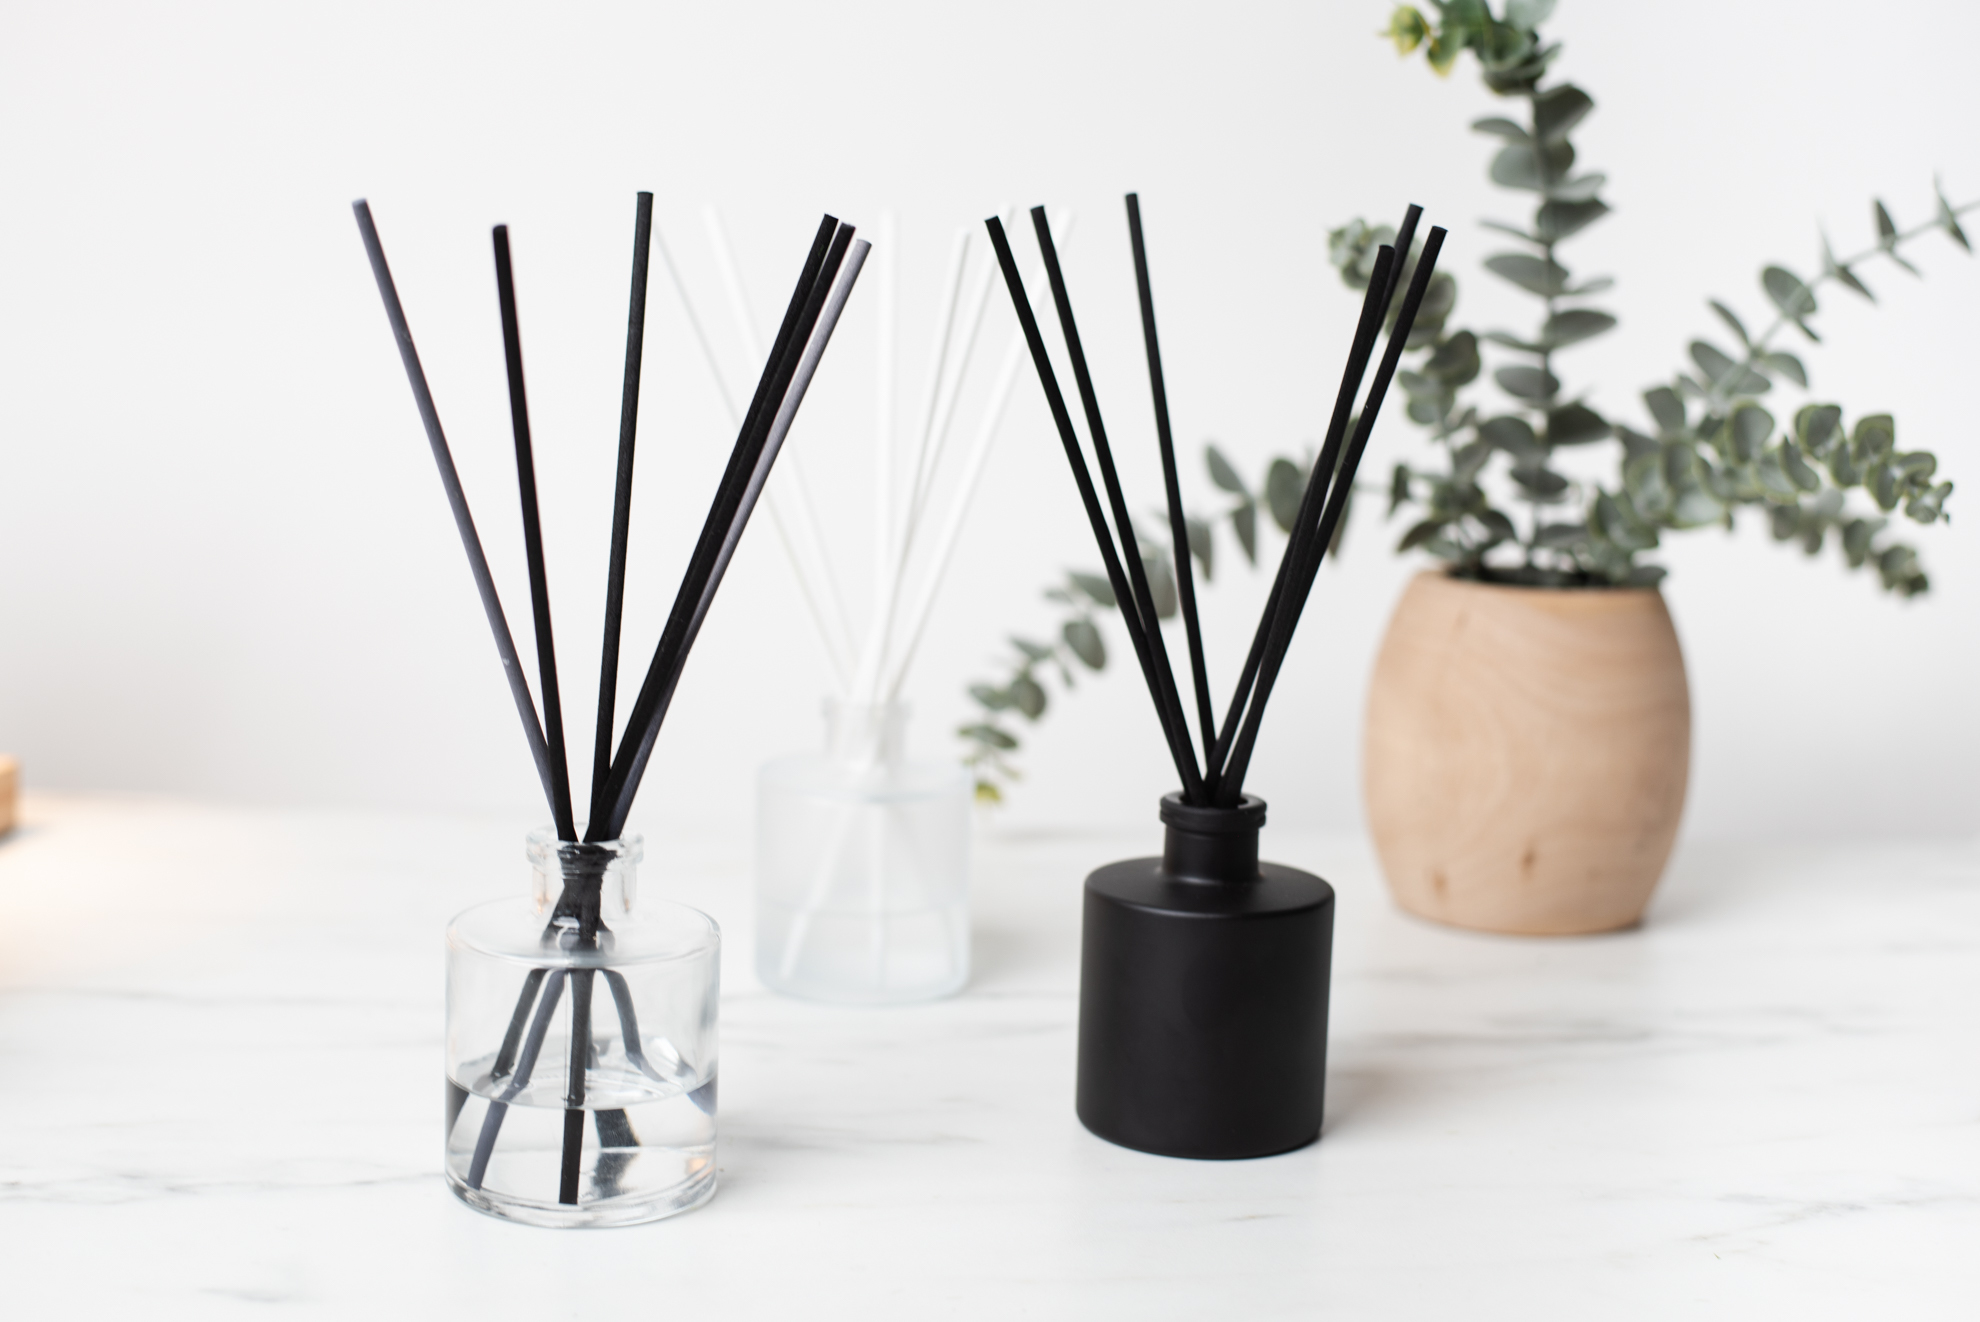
[582,888]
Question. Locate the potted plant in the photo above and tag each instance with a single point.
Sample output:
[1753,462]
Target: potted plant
[1528,731]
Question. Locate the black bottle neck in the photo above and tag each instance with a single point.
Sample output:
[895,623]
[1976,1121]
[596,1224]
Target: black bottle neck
[1212,844]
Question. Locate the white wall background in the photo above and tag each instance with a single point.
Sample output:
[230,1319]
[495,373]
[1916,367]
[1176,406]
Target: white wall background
[230,571]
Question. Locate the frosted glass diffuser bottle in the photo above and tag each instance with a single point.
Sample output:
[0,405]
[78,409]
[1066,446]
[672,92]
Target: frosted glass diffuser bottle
[862,867]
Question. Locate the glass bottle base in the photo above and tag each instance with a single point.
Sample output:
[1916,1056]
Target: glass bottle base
[625,1210]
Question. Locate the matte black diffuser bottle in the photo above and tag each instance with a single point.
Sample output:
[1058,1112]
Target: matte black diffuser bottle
[1203,993]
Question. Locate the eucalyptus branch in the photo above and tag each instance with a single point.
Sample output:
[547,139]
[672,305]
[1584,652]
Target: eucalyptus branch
[1721,390]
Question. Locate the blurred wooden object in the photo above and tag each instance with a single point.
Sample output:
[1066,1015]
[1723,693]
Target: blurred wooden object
[1526,754]
[10,791]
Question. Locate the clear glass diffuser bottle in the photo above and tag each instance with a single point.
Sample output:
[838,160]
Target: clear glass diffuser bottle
[862,867]
[581,1046]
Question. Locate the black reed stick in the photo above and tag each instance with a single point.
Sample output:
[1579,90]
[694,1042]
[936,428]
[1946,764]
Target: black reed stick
[498,1107]
[567,1181]
[1320,479]
[1163,676]
[532,521]
[726,519]
[1179,749]
[615,574]
[1178,528]
[1231,786]
[443,458]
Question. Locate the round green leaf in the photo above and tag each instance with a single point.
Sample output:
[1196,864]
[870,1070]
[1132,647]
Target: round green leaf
[1083,637]
[1535,383]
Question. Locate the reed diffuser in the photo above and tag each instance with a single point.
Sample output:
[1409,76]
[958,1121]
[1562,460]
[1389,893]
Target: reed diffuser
[566,1107]
[862,860]
[1204,972]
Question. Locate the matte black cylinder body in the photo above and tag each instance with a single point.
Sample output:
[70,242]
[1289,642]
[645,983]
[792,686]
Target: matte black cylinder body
[1203,993]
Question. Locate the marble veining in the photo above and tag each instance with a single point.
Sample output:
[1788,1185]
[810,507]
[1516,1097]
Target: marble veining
[220,1096]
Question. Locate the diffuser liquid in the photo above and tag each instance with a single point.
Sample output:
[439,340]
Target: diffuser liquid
[648,1148]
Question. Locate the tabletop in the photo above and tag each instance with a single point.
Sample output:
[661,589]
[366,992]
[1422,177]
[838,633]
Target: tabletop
[220,1095]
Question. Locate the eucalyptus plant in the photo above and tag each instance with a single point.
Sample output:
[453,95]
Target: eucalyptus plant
[1708,448]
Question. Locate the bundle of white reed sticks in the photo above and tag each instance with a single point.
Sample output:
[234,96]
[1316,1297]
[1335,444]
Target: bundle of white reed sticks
[911,551]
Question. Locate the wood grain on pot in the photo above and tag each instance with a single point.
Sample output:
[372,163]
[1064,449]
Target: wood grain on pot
[1527,751]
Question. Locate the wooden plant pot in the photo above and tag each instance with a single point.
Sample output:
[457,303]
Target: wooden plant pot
[1526,754]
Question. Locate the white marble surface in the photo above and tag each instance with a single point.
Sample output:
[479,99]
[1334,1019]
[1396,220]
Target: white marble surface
[220,1095]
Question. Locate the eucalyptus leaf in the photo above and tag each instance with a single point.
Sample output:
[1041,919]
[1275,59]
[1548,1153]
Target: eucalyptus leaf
[1399,488]
[1558,109]
[1284,486]
[1512,434]
[1498,526]
[1738,327]
[1083,637]
[1501,128]
[1948,218]
[1666,408]
[1748,428]
[993,699]
[1722,373]
[1455,362]
[1798,469]
[1028,696]
[1856,539]
[1032,651]
[1787,365]
[1543,483]
[1573,325]
[1882,483]
[1528,14]
[1696,507]
[1917,466]
[1520,166]
[1575,424]
[1887,230]
[988,734]
[1577,190]
[1419,534]
[1795,300]
[1817,427]
[1534,383]
[1222,473]
[1561,536]
[1468,459]
[1557,219]
[1874,436]
[1536,275]
[1842,272]
[1097,589]
[1244,522]
[1512,342]
[1161,584]
[1202,546]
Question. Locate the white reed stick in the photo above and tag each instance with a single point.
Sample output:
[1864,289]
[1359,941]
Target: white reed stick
[972,321]
[790,498]
[892,567]
[979,454]
[884,353]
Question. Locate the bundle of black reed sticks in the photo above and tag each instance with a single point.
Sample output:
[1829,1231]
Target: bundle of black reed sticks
[809,320]
[1218,779]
